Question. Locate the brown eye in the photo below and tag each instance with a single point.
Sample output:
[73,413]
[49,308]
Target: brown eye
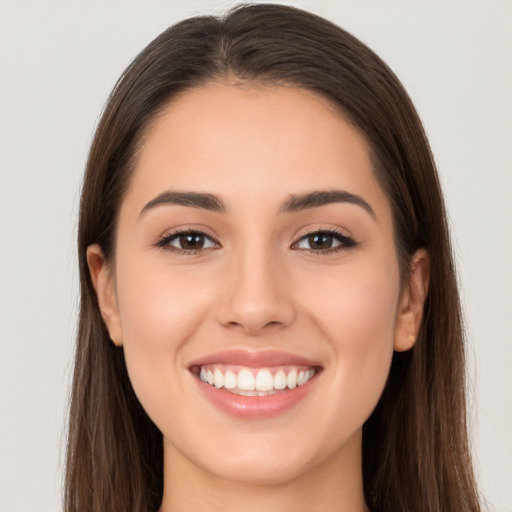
[325,242]
[320,241]
[187,242]
[191,241]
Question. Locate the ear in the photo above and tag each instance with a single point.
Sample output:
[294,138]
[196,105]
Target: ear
[410,309]
[103,282]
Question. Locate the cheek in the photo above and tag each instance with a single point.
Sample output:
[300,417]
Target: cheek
[357,317]
[160,310]
[357,305]
[150,308]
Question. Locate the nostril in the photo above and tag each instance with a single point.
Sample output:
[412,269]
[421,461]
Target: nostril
[255,314]
[254,328]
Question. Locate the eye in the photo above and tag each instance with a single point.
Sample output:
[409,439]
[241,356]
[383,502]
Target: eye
[324,241]
[187,242]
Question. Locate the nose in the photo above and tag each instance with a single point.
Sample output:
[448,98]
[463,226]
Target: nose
[258,295]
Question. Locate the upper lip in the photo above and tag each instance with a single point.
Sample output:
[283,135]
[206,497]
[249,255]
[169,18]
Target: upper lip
[254,359]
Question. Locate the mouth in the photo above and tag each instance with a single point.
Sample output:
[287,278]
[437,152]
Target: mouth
[246,381]
[255,384]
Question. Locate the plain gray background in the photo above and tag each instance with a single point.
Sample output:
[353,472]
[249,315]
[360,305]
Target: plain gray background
[58,62]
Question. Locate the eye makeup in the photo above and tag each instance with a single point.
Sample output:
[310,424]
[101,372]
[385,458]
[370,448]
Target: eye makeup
[327,241]
[318,241]
[190,241]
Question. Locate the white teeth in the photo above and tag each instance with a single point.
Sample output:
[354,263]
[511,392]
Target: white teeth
[245,380]
[218,378]
[264,381]
[291,380]
[229,380]
[280,380]
[247,393]
[247,383]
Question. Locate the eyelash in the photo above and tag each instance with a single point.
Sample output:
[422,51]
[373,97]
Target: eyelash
[164,241]
[345,242]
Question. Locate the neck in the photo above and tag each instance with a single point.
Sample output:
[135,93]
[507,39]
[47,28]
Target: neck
[334,485]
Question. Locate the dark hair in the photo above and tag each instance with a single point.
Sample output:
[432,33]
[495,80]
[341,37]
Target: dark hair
[415,447]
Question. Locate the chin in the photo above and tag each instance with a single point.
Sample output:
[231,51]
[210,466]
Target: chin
[260,459]
[268,471]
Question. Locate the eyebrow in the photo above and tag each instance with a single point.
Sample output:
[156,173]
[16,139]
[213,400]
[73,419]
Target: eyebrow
[294,203]
[191,199]
[300,202]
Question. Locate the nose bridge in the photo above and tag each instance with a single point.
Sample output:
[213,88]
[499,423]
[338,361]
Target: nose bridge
[257,296]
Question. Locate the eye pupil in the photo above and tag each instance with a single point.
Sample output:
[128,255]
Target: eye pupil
[192,241]
[320,241]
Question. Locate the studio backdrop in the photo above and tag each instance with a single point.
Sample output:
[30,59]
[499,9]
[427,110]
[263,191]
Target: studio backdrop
[58,62]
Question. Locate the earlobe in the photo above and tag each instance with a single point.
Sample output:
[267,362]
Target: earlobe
[103,282]
[410,310]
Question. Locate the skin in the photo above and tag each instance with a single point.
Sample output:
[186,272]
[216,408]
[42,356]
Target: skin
[259,286]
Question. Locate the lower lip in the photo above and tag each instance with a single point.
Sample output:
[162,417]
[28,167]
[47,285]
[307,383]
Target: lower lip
[256,407]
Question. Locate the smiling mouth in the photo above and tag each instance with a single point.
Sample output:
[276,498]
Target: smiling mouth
[249,381]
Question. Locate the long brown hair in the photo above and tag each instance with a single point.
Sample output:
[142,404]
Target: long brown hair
[415,448]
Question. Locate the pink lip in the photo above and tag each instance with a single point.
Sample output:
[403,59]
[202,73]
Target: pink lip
[258,359]
[255,407]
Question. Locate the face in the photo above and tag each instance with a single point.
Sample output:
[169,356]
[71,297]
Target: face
[255,286]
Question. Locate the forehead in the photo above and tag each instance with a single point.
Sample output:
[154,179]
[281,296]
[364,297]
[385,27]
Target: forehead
[249,141]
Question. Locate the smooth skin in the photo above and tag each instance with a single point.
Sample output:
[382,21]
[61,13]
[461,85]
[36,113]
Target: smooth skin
[257,281]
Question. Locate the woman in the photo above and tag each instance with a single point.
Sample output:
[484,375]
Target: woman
[269,313]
